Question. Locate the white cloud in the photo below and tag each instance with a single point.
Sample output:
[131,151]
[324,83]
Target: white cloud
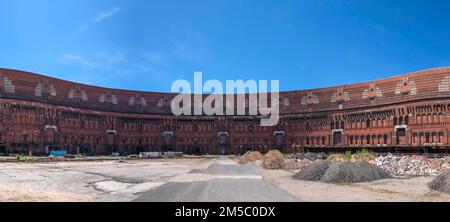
[99,18]
[154,58]
[96,60]
[107,14]
[111,57]
[76,59]
[187,50]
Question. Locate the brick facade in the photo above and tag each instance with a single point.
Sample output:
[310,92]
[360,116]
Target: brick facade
[404,113]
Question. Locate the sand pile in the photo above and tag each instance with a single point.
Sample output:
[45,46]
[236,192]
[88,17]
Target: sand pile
[274,154]
[274,160]
[341,172]
[441,182]
[250,156]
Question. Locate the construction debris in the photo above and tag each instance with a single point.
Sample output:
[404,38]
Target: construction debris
[362,155]
[150,155]
[353,172]
[441,182]
[274,160]
[296,164]
[341,172]
[250,156]
[273,153]
[309,156]
[314,171]
[412,165]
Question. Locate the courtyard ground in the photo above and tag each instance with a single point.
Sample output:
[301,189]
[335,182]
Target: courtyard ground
[190,179]
[399,189]
[89,181]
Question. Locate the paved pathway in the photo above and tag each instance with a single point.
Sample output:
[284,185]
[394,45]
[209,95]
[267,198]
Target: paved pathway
[223,181]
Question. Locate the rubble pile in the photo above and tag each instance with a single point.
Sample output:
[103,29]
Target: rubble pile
[309,156]
[353,172]
[412,165]
[274,160]
[296,164]
[368,157]
[273,154]
[341,172]
[441,182]
[250,156]
[314,171]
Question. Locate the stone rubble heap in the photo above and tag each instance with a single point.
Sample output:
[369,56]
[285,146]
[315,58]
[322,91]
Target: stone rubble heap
[397,165]
[308,156]
[441,182]
[412,165]
[341,172]
[314,171]
[296,164]
[274,160]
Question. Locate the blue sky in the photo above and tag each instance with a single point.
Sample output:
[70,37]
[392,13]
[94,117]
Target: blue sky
[146,45]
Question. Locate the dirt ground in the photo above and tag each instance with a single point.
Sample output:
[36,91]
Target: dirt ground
[401,189]
[15,194]
[128,180]
[89,181]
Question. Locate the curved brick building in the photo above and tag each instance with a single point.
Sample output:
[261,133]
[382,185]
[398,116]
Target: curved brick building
[406,113]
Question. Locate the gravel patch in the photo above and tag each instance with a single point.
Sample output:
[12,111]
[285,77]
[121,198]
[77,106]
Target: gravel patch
[341,172]
[309,156]
[441,182]
[353,172]
[314,171]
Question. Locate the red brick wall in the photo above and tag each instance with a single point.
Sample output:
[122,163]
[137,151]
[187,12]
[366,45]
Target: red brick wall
[36,111]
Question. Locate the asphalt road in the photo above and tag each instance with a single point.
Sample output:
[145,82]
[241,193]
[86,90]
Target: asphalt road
[230,182]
